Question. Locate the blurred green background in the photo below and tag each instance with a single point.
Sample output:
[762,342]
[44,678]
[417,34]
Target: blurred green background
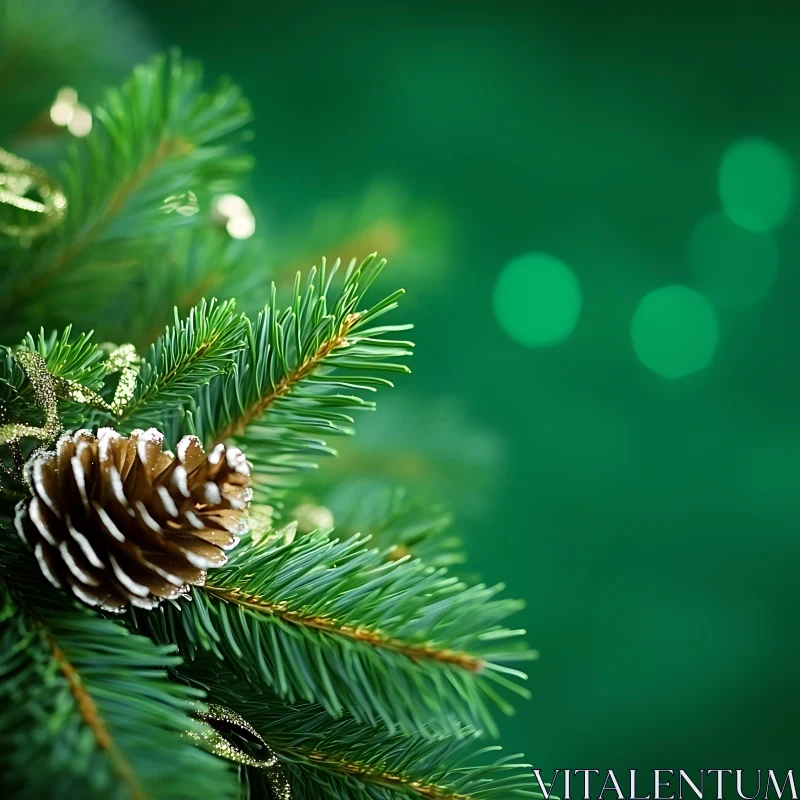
[648,516]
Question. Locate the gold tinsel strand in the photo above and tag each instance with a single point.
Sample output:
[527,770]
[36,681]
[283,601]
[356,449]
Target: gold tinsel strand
[48,389]
[45,396]
[126,360]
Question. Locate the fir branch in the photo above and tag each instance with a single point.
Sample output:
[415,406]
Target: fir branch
[86,709]
[372,637]
[166,149]
[288,382]
[91,715]
[284,392]
[195,264]
[340,758]
[185,358]
[396,522]
[393,643]
[69,358]
[159,135]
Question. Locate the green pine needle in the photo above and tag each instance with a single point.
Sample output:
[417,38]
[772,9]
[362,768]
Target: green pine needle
[301,374]
[396,644]
[183,360]
[159,135]
[340,759]
[87,710]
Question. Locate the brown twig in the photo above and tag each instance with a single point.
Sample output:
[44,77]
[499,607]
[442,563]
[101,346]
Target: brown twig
[375,638]
[91,716]
[287,383]
[392,780]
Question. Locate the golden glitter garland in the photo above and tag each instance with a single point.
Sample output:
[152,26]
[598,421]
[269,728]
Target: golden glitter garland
[48,389]
[46,392]
[126,360]
[18,178]
[220,720]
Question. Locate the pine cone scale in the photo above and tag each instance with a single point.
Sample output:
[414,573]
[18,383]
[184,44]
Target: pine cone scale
[120,521]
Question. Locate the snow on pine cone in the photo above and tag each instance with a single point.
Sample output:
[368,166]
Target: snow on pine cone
[121,522]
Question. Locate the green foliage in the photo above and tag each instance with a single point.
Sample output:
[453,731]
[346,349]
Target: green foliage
[396,523]
[332,758]
[371,670]
[397,644]
[184,359]
[86,708]
[159,135]
[287,388]
[73,358]
[195,264]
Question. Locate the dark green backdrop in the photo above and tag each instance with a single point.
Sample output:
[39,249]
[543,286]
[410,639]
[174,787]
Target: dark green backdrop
[653,526]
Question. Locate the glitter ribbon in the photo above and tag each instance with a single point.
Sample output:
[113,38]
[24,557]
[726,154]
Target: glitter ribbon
[222,723]
[17,178]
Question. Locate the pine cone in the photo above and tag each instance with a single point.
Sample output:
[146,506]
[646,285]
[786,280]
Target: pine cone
[121,522]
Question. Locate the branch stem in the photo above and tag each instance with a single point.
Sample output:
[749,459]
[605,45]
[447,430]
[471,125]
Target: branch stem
[364,772]
[285,385]
[375,638]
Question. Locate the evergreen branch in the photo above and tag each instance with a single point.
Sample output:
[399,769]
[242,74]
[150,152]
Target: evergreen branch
[75,359]
[86,708]
[394,643]
[166,149]
[341,759]
[289,381]
[377,782]
[91,715]
[283,394]
[159,135]
[396,522]
[195,264]
[185,358]
[373,638]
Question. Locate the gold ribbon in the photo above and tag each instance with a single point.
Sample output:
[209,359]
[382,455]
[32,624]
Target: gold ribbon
[220,724]
[18,178]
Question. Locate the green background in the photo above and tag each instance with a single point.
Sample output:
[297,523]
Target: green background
[650,524]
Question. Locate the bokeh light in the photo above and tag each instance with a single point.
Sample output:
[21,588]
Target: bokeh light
[233,213]
[242,227]
[68,95]
[80,124]
[732,266]
[230,205]
[67,112]
[674,331]
[537,300]
[61,113]
[757,184]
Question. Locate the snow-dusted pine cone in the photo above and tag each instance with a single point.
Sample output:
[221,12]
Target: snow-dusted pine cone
[119,521]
